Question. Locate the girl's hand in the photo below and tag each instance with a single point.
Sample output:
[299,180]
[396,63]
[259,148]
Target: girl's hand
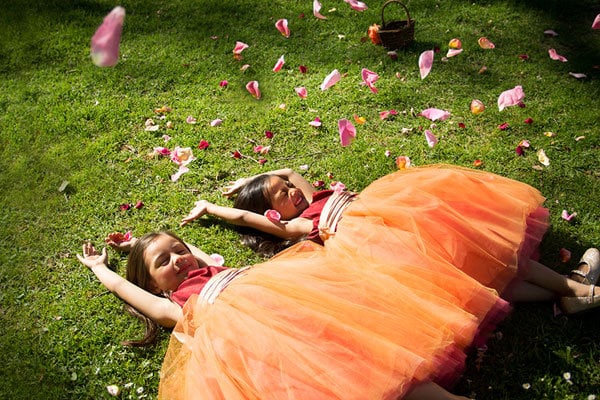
[200,209]
[91,258]
[234,187]
[120,242]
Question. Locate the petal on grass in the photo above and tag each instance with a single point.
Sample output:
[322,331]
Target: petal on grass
[239,47]
[453,52]
[301,91]
[566,216]
[369,78]
[543,158]
[279,64]
[347,132]
[511,97]
[315,122]
[578,75]
[455,44]
[357,5]
[252,88]
[331,79]
[485,43]
[104,48]
[402,162]
[317,10]
[555,56]
[425,63]
[430,138]
[435,114]
[282,27]
[182,170]
[477,107]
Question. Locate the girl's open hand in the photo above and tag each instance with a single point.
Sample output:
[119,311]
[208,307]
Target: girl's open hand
[91,258]
[200,209]
[234,187]
[120,242]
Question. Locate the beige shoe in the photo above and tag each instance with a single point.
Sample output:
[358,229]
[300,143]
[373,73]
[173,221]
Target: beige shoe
[592,258]
[575,305]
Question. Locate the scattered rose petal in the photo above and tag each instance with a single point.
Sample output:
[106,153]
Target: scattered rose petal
[337,187]
[182,170]
[453,52]
[163,151]
[596,23]
[124,206]
[455,44]
[425,63]
[318,184]
[239,47]
[359,120]
[431,139]
[273,215]
[317,10]
[528,121]
[555,56]
[139,204]
[236,154]
[191,120]
[482,70]
[477,107]
[519,150]
[385,114]
[331,79]
[244,67]
[485,43]
[304,167]
[579,138]
[269,134]
[435,114]
[524,56]
[477,163]
[218,259]
[282,27]
[369,78]
[166,138]
[510,97]
[524,143]
[182,155]
[216,122]
[252,88]
[203,145]
[462,125]
[564,255]
[347,132]
[316,122]
[302,69]
[261,149]
[578,75]
[357,5]
[301,91]
[550,32]
[223,83]
[113,390]
[330,175]
[503,126]
[402,162]
[104,48]
[543,158]
[387,153]
[566,216]
[279,64]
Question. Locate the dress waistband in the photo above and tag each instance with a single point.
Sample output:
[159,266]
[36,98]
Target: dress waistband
[332,213]
[217,283]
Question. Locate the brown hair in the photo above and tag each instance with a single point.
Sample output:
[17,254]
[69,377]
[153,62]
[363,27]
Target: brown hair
[137,273]
[254,197]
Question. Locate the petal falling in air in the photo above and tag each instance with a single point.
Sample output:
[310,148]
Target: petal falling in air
[425,63]
[511,97]
[331,79]
[369,78]
[282,26]
[104,48]
[347,132]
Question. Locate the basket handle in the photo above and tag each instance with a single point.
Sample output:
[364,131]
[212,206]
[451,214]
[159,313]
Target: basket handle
[394,1]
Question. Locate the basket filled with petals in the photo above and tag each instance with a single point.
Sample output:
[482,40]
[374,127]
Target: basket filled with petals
[395,34]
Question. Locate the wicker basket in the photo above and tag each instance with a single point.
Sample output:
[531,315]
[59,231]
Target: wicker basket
[396,34]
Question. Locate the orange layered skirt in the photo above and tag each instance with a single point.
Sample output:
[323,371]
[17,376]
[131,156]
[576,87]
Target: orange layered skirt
[408,284]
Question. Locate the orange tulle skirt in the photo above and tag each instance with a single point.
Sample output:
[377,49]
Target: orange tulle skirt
[408,284]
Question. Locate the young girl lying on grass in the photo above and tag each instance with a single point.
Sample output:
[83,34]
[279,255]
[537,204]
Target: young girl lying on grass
[468,218]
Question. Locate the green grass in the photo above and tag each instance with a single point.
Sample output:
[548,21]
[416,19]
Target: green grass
[63,119]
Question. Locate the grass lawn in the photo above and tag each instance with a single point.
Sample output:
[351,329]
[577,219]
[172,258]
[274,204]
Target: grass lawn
[75,147]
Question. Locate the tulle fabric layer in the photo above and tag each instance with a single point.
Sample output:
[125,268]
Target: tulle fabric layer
[406,287]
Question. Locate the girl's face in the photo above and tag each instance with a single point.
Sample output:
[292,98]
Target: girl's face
[285,198]
[168,262]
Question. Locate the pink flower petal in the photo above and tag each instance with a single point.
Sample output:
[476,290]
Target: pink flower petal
[528,121]
[550,32]
[182,170]
[430,137]
[216,122]
[104,48]
[578,75]
[269,134]
[273,215]
[566,216]
[316,122]
[435,114]
[252,88]
[223,83]
[596,23]
[191,120]
[282,26]
[347,132]
[163,151]
[369,78]
[485,43]
[453,52]
[555,56]
[218,259]
[239,47]
[425,63]
[510,97]
[279,64]
[331,79]
[301,91]
[503,126]
[357,5]
[302,69]
[385,114]
[337,187]
[317,10]
[139,204]
[203,145]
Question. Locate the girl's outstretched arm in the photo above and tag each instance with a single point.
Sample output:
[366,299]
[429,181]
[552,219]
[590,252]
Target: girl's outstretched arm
[295,178]
[294,229]
[159,309]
